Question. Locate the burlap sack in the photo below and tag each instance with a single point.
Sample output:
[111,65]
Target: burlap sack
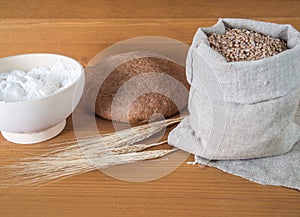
[241,110]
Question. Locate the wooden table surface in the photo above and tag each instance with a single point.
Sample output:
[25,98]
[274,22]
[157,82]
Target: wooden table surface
[81,29]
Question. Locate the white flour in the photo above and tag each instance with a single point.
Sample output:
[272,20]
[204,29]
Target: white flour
[37,83]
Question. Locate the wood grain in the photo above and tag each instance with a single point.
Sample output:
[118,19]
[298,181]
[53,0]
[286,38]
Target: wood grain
[82,39]
[82,29]
[148,9]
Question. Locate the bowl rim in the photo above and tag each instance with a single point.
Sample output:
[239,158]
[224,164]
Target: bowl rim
[53,94]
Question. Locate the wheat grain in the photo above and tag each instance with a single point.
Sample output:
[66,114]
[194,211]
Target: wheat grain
[245,45]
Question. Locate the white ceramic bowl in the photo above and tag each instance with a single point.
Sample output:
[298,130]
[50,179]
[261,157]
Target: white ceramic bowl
[34,121]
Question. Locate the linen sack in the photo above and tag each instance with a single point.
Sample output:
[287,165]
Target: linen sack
[241,110]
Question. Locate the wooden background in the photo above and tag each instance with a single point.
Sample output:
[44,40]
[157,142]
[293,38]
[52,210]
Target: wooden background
[81,29]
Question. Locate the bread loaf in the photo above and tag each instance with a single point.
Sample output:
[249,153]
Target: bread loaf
[104,82]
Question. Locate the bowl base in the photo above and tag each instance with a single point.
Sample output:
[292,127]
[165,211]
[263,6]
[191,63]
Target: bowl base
[32,138]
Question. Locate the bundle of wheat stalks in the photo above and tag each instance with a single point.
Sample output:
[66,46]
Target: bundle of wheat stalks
[92,153]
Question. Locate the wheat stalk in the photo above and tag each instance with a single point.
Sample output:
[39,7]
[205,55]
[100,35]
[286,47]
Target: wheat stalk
[105,151]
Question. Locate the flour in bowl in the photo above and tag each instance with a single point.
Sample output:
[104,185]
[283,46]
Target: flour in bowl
[18,85]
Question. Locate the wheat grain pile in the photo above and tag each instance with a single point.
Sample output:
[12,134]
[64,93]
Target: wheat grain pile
[245,45]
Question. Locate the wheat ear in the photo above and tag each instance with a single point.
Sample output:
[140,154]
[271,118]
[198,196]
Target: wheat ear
[71,159]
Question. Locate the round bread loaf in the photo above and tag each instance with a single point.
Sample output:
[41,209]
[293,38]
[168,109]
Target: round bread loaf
[135,87]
